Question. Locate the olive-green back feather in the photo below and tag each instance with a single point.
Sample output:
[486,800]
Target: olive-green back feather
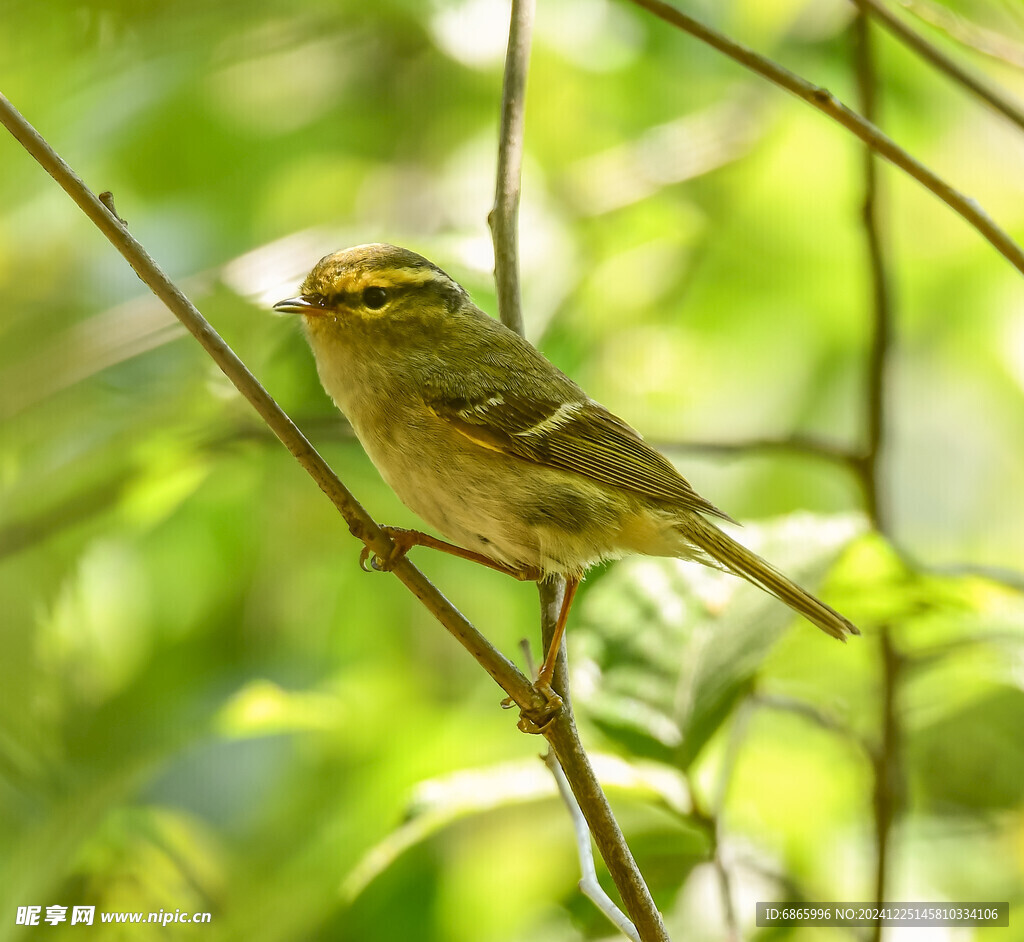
[518,403]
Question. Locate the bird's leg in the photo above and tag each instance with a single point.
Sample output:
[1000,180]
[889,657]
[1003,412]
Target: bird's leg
[548,667]
[405,540]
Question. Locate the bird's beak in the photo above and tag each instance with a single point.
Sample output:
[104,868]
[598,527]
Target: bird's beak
[299,305]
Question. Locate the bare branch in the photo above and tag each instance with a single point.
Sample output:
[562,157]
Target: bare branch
[565,741]
[561,731]
[886,760]
[360,524]
[986,41]
[993,96]
[808,711]
[737,734]
[504,216]
[881,303]
[826,102]
[809,445]
[888,769]
[589,885]
[1008,578]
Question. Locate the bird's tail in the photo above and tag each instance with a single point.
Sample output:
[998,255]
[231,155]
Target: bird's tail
[737,559]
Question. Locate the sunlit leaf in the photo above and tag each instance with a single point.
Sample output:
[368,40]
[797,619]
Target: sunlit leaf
[672,645]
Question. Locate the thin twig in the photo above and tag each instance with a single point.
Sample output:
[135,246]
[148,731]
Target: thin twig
[986,92]
[887,762]
[561,731]
[772,701]
[881,292]
[961,30]
[809,445]
[589,885]
[826,102]
[1008,578]
[551,592]
[924,657]
[737,734]
[504,215]
[360,524]
[888,769]
[565,742]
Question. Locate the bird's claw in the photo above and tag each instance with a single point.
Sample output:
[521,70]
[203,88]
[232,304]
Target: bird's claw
[377,564]
[536,722]
[403,541]
[364,556]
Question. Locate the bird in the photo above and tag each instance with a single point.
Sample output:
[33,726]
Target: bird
[494,447]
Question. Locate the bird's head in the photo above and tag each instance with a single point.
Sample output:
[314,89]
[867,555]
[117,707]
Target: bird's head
[378,287]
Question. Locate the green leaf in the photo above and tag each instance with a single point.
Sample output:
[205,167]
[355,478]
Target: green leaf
[673,644]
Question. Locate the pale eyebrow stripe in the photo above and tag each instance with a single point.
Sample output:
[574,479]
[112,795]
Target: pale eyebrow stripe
[401,277]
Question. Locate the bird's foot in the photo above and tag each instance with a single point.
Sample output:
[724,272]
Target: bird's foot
[403,540]
[536,722]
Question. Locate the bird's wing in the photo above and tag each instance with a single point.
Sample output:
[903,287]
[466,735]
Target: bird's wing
[575,434]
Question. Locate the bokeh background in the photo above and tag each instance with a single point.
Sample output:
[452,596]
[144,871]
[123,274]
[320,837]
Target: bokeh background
[205,705]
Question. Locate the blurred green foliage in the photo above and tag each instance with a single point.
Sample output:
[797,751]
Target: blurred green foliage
[206,706]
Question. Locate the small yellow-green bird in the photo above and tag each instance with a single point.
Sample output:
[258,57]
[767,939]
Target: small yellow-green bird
[493,446]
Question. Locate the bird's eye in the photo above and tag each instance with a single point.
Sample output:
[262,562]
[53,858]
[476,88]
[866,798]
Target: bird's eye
[375,297]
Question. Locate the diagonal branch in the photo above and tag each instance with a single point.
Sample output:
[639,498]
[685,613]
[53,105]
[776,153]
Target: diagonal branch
[961,30]
[562,732]
[914,40]
[360,523]
[826,102]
